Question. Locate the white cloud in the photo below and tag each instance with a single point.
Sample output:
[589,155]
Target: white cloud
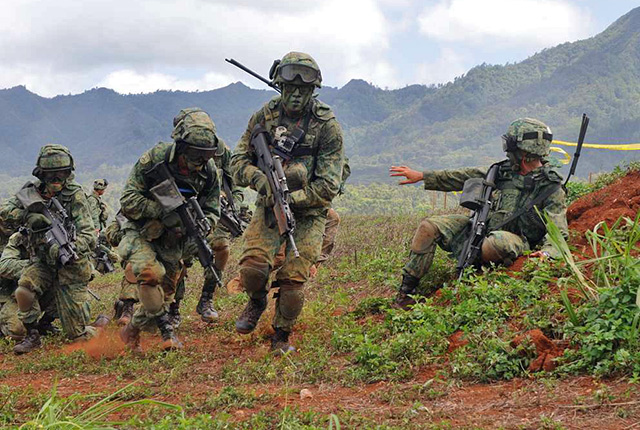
[527,23]
[447,66]
[69,45]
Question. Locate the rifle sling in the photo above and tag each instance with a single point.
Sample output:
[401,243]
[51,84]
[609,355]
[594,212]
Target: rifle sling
[542,197]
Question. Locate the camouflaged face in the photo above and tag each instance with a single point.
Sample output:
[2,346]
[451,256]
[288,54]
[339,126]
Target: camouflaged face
[302,59]
[539,146]
[55,157]
[194,127]
[100,184]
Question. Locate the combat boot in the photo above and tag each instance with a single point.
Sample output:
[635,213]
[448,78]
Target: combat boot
[126,311]
[45,326]
[408,287]
[280,342]
[169,339]
[130,335]
[101,321]
[29,343]
[205,308]
[174,314]
[249,317]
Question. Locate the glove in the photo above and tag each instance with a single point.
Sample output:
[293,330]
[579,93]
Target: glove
[37,221]
[260,183]
[54,252]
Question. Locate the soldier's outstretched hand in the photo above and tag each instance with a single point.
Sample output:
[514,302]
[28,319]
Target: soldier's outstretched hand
[412,176]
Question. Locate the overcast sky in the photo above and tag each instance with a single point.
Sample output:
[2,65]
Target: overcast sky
[68,46]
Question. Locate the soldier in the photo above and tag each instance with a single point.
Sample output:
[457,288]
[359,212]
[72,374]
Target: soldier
[155,240]
[313,174]
[46,270]
[525,175]
[15,257]
[99,209]
[219,240]
[128,297]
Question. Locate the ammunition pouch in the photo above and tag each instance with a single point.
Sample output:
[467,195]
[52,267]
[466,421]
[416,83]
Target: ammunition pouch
[471,197]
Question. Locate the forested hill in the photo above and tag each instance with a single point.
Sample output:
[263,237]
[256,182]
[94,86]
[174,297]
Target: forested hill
[459,123]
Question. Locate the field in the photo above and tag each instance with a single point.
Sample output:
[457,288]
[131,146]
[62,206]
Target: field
[549,345]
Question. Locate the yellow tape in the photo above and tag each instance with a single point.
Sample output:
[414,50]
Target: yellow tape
[567,157]
[623,147]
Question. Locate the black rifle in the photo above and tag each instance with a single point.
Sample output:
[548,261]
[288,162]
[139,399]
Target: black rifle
[229,216]
[481,208]
[61,232]
[271,166]
[167,193]
[583,132]
[252,73]
[102,256]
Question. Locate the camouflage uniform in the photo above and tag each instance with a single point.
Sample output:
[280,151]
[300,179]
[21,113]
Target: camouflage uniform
[15,257]
[128,295]
[155,242]
[513,192]
[314,180]
[333,219]
[43,274]
[99,209]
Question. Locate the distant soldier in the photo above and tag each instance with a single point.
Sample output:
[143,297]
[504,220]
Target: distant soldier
[99,209]
[53,268]
[155,238]
[313,173]
[524,177]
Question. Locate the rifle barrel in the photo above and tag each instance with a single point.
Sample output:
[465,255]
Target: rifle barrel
[251,72]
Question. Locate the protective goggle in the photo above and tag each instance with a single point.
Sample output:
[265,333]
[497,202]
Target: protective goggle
[303,89]
[55,175]
[510,143]
[197,155]
[289,72]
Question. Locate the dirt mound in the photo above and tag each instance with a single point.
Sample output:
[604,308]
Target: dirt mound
[457,340]
[546,349]
[622,198]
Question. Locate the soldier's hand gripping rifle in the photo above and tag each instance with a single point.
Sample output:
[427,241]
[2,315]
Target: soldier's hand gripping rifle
[480,203]
[102,256]
[167,193]
[229,216]
[271,166]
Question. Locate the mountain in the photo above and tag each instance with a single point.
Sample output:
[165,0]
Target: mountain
[456,124]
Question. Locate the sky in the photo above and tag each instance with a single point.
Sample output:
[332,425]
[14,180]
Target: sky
[69,46]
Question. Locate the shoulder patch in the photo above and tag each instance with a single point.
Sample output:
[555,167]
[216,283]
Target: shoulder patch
[146,158]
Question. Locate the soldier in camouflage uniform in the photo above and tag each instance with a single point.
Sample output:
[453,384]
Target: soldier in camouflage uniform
[155,240]
[128,297]
[99,209]
[523,177]
[313,175]
[54,169]
[15,257]
[219,240]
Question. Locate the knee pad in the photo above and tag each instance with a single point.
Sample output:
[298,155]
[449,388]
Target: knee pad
[129,275]
[25,298]
[254,276]
[221,254]
[151,275]
[490,252]
[152,298]
[290,299]
[424,237]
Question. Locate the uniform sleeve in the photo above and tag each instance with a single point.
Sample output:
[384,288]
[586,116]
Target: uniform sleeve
[85,231]
[450,179]
[94,208]
[210,199]
[243,160]
[12,213]
[227,174]
[556,210]
[13,260]
[328,171]
[134,202]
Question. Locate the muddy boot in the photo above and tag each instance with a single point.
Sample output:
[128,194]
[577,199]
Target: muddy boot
[101,321]
[130,335]
[117,309]
[45,326]
[408,287]
[126,312]
[205,308]
[249,317]
[170,341]
[29,343]
[174,314]
[280,343]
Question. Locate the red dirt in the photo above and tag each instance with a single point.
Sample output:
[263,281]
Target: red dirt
[457,340]
[546,349]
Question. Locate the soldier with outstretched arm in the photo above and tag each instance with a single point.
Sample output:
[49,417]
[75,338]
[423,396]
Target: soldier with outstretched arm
[513,225]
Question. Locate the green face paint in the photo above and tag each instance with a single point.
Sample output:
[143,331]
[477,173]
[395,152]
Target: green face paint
[295,98]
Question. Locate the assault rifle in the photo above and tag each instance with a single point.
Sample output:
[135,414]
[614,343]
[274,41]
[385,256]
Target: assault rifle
[102,256]
[252,73]
[229,216]
[167,193]
[271,166]
[481,207]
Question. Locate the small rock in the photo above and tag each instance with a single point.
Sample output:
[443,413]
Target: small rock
[305,394]
[240,414]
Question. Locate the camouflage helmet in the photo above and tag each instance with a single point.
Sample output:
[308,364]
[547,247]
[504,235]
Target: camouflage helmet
[529,135]
[54,157]
[296,65]
[194,127]
[100,184]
